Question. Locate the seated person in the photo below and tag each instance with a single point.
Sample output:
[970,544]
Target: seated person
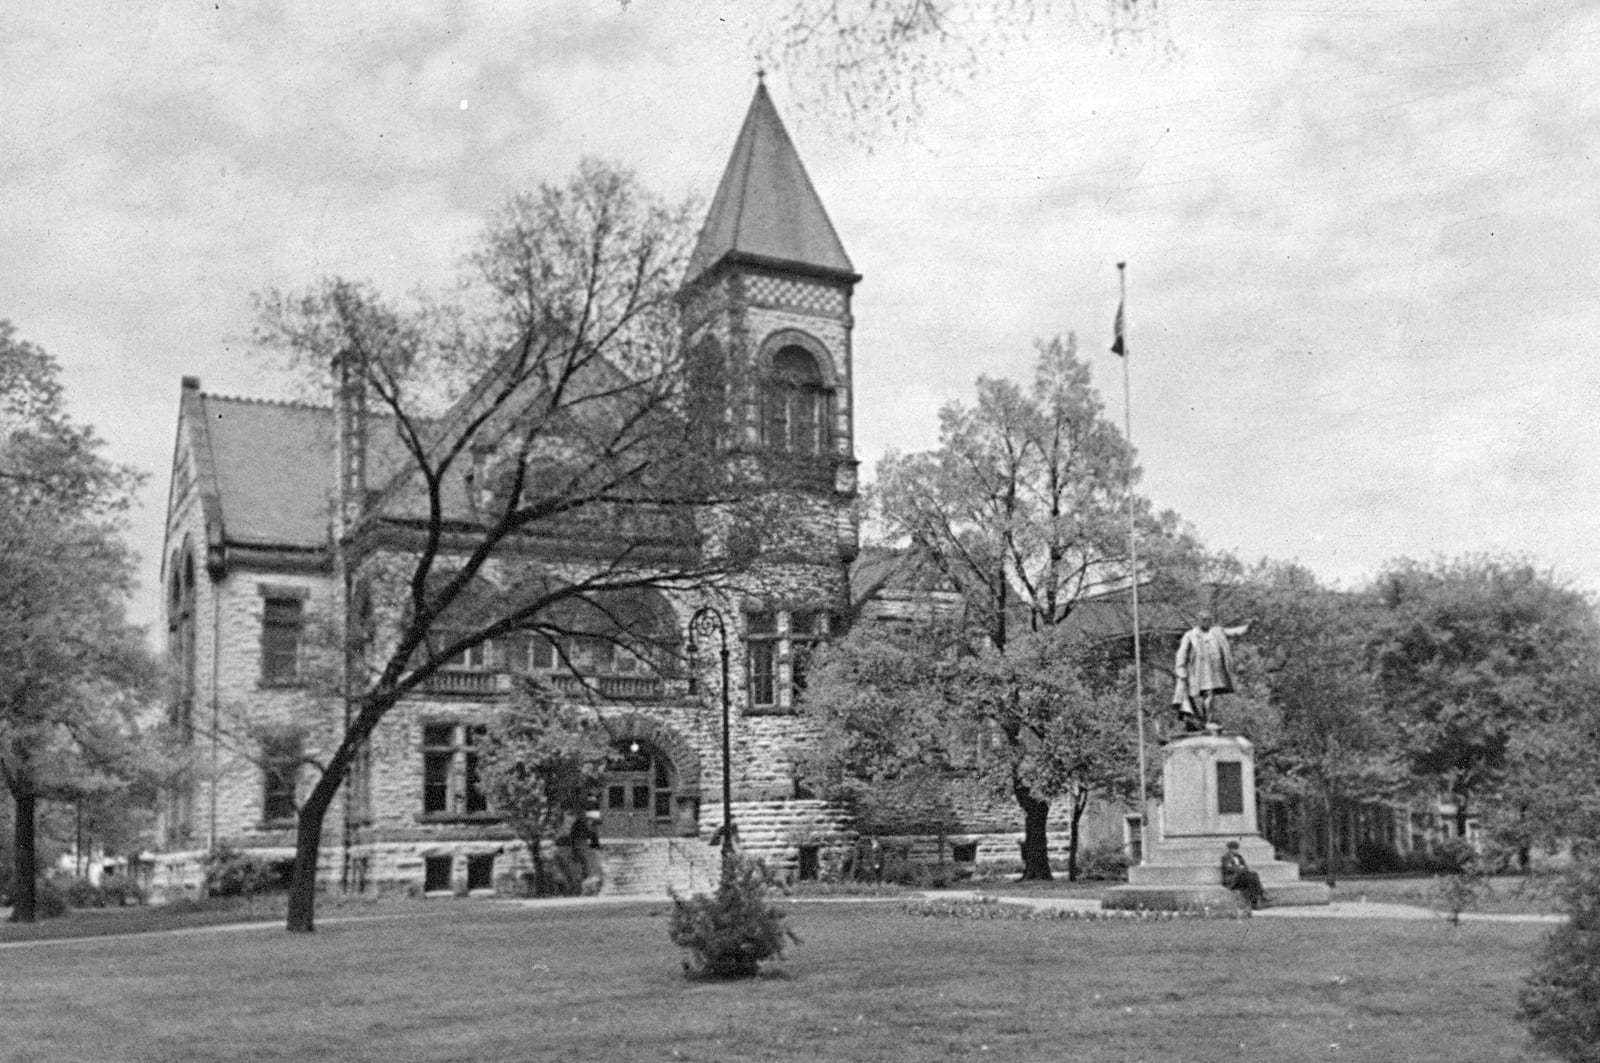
[1236,875]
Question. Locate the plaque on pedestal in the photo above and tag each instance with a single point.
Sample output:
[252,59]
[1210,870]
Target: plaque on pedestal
[1209,788]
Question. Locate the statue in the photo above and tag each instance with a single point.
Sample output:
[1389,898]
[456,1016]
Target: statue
[1204,669]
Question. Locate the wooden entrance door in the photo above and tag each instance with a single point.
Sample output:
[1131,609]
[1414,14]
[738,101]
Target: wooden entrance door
[635,793]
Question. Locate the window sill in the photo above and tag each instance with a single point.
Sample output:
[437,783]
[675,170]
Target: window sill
[458,817]
[770,710]
[280,684]
[276,824]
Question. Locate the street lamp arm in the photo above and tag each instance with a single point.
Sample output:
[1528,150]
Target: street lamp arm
[702,624]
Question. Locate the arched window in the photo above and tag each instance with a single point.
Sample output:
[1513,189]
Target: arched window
[179,800]
[797,406]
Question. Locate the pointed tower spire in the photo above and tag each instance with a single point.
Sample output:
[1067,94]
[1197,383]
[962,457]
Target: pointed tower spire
[766,210]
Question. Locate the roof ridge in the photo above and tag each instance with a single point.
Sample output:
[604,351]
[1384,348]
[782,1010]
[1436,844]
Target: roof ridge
[293,404]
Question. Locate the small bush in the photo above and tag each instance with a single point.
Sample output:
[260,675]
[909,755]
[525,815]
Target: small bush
[731,933]
[999,870]
[81,893]
[1447,858]
[1107,863]
[121,892]
[49,902]
[1560,1002]
[1457,892]
[231,873]
[1377,858]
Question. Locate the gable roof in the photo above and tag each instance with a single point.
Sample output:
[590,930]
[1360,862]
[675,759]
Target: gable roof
[271,468]
[766,209]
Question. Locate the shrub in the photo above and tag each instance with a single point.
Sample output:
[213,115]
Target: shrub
[231,873]
[1561,1000]
[1455,893]
[48,901]
[1377,858]
[1447,858]
[121,892]
[1106,863]
[81,893]
[731,933]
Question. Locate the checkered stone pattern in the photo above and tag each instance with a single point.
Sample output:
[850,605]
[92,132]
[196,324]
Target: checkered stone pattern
[796,295]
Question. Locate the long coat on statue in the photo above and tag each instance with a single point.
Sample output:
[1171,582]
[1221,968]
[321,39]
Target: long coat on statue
[1204,664]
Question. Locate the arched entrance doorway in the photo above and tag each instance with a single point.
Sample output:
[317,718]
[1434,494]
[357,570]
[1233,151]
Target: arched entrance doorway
[651,783]
[636,791]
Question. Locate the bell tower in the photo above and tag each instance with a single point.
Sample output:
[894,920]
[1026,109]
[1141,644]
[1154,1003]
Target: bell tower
[766,301]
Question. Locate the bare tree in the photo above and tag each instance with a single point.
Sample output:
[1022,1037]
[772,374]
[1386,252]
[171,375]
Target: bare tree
[877,63]
[521,459]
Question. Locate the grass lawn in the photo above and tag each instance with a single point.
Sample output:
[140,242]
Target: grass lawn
[488,982]
[270,908]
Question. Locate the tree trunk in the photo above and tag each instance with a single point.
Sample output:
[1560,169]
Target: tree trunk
[1035,841]
[25,871]
[534,840]
[307,847]
[1080,802]
[1333,848]
[1305,841]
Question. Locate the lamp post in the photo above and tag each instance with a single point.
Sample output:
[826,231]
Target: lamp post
[704,621]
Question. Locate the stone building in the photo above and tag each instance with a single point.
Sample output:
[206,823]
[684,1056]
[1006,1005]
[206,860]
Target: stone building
[255,561]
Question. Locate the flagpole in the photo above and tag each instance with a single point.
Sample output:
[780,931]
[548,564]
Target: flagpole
[1121,347]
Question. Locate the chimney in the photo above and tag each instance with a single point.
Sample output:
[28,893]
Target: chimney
[350,417]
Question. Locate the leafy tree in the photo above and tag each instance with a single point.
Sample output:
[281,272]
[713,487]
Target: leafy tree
[1547,798]
[916,720]
[1063,738]
[75,670]
[892,739]
[1334,741]
[539,757]
[1473,653]
[1023,509]
[541,409]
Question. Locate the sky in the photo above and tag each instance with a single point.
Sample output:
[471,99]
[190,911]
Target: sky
[1362,237]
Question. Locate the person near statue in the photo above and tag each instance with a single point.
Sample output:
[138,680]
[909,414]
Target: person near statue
[1204,669]
[1236,875]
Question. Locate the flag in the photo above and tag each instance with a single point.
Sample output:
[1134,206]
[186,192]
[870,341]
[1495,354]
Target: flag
[1118,347]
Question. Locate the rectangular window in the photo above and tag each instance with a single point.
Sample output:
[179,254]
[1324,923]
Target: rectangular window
[778,650]
[281,622]
[763,662]
[593,655]
[436,874]
[452,783]
[474,659]
[806,631]
[480,871]
[473,798]
[281,755]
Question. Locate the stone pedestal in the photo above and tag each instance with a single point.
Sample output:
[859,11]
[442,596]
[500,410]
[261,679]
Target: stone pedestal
[1209,788]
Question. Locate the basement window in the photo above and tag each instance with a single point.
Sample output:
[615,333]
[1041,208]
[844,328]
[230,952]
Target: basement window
[436,874]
